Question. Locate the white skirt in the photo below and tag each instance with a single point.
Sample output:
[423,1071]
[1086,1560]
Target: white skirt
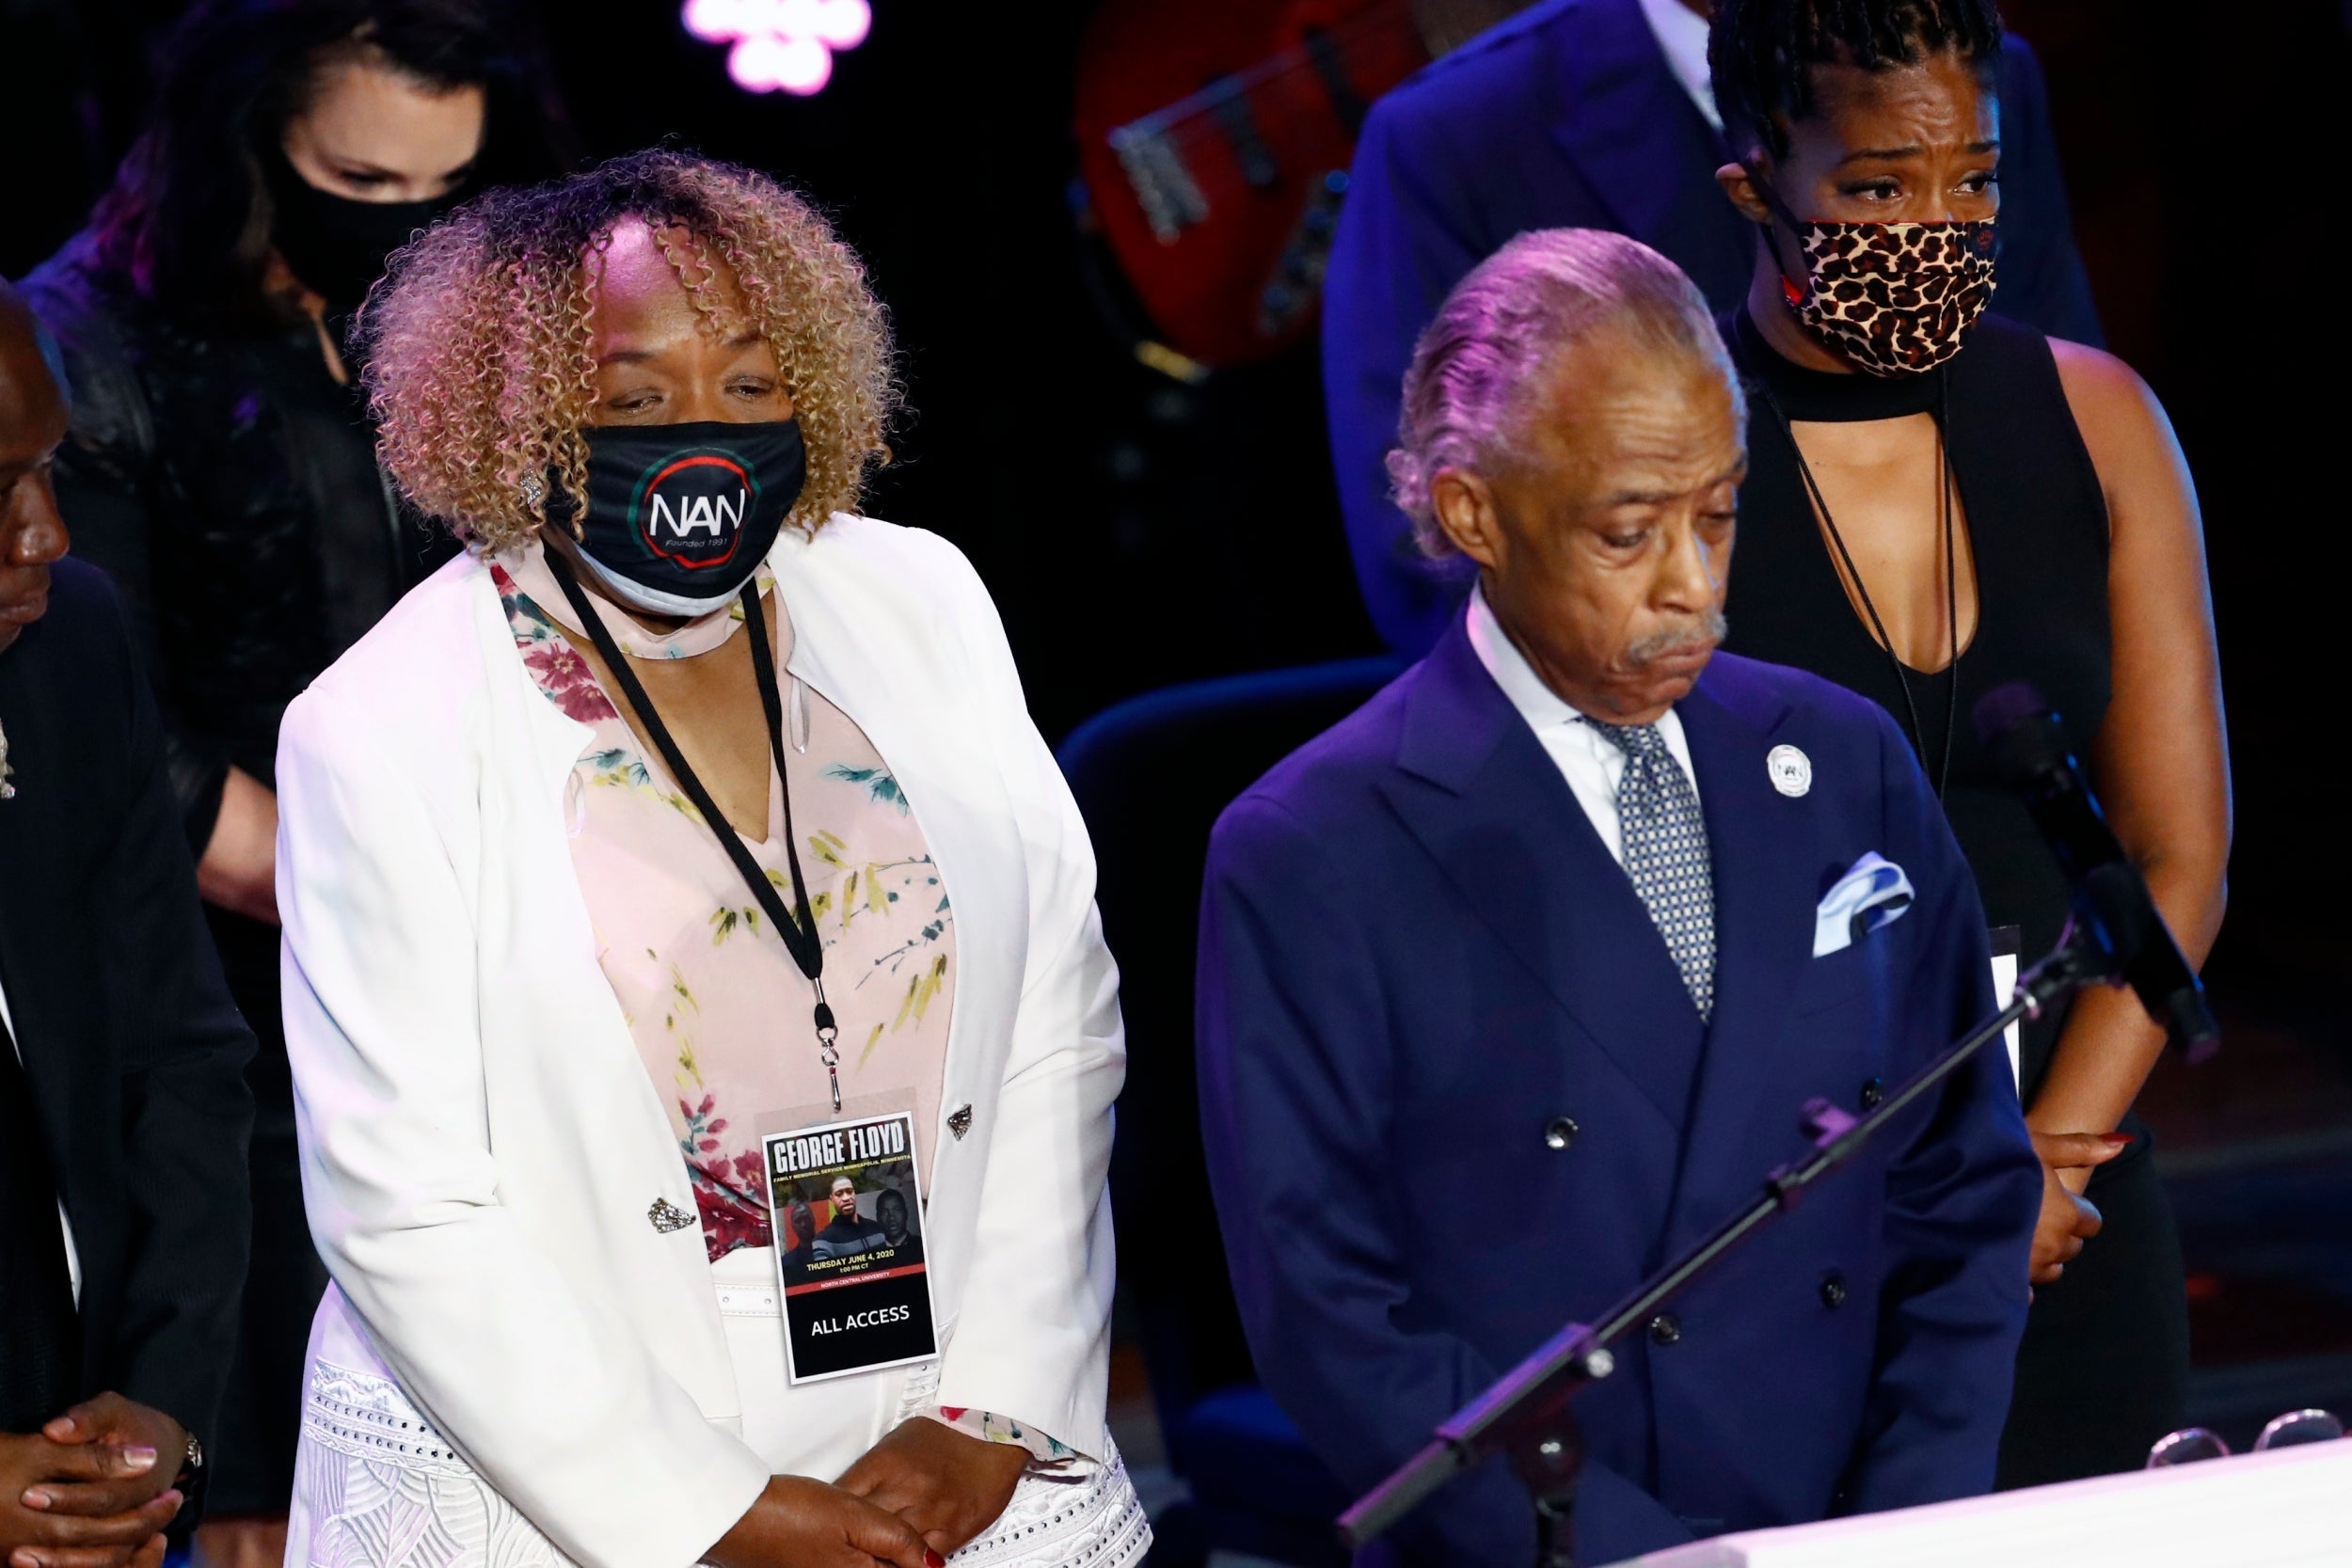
[364,1501]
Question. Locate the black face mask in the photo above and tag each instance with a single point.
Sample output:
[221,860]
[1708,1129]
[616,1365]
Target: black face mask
[680,515]
[338,246]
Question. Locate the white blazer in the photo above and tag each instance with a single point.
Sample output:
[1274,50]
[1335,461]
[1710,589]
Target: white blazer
[481,1143]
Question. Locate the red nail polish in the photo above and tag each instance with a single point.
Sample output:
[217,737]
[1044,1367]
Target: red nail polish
[932,1559]
[2114,1140]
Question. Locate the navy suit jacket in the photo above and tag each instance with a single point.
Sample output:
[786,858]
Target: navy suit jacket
[1417,955]
[1566,115]
[135,1052]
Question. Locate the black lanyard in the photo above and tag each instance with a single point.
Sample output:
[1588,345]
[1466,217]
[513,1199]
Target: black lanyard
[1952,580]
[800,936]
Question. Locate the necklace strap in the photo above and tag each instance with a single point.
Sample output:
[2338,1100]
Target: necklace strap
[800,934]
[1862,591]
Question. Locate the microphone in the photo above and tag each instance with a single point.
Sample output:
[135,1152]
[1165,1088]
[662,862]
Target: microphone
[2028,745]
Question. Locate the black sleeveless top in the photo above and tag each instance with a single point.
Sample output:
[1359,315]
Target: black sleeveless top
[2037,524]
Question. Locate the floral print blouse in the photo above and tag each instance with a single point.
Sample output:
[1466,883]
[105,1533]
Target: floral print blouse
[719,1009]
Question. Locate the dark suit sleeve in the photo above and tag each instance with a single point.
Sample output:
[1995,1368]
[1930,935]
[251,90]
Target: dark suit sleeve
[1960,1200]
[186,1113]
[1406,236]
[1295,1050]
[2041,280]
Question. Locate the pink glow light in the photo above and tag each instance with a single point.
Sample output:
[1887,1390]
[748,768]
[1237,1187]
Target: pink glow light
[785,44]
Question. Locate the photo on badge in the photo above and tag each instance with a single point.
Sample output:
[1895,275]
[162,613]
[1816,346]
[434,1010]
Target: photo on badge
[848,1212]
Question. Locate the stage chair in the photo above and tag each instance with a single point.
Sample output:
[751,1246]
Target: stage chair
[1150,775]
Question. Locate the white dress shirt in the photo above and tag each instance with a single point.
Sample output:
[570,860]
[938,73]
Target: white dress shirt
[1681,32]
[73,1259]
[1586,758]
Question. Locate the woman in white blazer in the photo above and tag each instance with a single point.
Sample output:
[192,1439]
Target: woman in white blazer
[537,1020]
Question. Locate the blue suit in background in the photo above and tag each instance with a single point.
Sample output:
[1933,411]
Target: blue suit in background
[1455,1094]
[1566,115]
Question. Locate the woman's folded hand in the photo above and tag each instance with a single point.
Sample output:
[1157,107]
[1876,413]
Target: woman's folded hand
[947,1485]
[802,1523]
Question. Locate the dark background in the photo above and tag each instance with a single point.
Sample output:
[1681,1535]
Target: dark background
[1136,532]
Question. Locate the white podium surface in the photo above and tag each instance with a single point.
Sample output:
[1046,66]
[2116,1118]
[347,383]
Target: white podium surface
[2275,1509]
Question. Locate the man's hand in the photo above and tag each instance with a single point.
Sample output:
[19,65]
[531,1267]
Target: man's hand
[800,1523]
[83,1504]
[139,1435]
[949,1485]
[2068,1219]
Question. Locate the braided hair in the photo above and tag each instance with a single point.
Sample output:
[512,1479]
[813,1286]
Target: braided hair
[1762,52]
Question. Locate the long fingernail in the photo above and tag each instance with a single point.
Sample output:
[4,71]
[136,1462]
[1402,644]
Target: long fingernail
[932,1559]
[2114,1140]
[140,1459]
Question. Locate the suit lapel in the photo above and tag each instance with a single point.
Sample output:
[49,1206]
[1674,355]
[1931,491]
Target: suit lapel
[839,607]
[1478,791]
[1741,1110]
[1644,146]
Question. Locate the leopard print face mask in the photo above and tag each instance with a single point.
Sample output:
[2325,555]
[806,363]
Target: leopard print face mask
[1894,298]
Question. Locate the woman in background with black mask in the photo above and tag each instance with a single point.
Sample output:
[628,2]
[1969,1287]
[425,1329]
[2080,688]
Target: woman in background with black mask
[1939,503]
[222,469]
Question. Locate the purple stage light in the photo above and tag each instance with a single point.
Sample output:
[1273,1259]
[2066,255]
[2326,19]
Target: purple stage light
[782,45]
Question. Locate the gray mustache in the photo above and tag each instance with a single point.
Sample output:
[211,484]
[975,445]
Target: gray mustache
[1707,631]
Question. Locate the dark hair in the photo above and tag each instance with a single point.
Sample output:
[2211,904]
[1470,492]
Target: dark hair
[187,221]
[1762,52]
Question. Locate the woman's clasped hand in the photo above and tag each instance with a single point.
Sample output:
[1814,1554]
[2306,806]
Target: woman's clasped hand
[802,1523]
[922,1491]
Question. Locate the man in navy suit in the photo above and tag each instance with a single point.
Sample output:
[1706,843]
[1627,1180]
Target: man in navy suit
[1592,114]
[1513,984]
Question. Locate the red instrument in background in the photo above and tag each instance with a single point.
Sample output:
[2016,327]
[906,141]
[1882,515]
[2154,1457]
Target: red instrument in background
[1213,139]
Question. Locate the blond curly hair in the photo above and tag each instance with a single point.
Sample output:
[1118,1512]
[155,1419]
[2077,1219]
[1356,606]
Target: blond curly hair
[479,344]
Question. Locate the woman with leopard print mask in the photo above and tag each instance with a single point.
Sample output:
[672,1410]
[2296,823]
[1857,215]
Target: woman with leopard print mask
[1939,501]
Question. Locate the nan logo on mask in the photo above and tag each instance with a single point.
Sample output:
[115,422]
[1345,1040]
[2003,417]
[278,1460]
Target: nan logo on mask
[691,509]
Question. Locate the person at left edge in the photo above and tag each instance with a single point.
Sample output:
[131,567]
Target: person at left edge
[538,1005]
[123,1110]
[221,469]
[1541,922]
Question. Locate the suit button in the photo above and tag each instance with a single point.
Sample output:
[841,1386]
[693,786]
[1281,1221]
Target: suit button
[1872,1092]
[1833,1290]
[1559,1133]
[1666,1328]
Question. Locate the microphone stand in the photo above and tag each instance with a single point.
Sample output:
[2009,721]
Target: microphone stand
[1526,1411]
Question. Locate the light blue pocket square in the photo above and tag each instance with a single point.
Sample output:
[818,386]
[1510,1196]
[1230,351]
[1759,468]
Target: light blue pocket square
[1873,892]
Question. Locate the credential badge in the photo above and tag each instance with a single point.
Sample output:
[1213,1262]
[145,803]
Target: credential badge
[1791,770]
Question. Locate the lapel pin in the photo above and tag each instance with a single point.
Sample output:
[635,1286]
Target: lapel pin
[960,1122]
[1791,770]
[667,1216]
[7,790]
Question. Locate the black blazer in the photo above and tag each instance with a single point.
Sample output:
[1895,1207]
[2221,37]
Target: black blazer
[136,1054]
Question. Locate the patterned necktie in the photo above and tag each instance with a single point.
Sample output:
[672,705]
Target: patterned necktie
[1665,853]
[39,1337]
